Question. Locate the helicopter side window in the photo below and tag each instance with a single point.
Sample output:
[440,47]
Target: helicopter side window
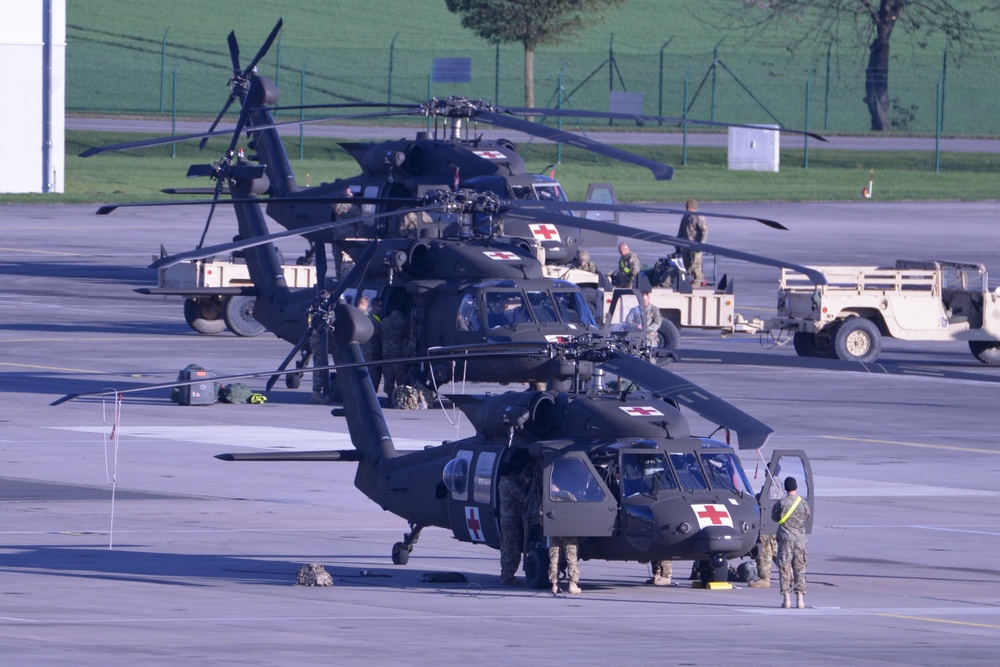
[723,472]
[689,473]
[572,480]
[646,474]
[573,308]
[523,192]
[482,481]
[468,315]
[542,307]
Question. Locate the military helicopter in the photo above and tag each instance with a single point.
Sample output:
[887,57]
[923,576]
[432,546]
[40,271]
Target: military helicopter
[454,156]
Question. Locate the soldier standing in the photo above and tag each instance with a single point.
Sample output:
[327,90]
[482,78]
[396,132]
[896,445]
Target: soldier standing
[629,267]
[344,211]
[320,355]
[792,513]
[693,227]
[513,491]
[396,338]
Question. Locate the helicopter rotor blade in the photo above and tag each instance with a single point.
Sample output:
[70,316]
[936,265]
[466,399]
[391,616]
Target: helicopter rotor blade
[661,172]
[201,253]
[559,207]
[612,229]
[752,433]
[641,119]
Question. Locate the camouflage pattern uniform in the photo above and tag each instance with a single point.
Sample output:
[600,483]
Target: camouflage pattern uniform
[345,211]
[513,493]
[766,551]
[396,343]
[693,227]
[663,570]
[570,546]
[627,274]
[791,540]
[583,261]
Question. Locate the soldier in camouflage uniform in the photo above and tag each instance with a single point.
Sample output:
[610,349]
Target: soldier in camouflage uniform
[663,570]
[513,491]
[397,342]
[648,319]
[569,546]
[693,227]
[372,348]
[319,378]
[629,267]
[792,513]
[583,262]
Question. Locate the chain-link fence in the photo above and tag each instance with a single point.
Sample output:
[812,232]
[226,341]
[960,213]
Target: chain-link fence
[116,75]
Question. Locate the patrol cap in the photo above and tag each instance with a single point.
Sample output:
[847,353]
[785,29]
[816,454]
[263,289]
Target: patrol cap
[791,484]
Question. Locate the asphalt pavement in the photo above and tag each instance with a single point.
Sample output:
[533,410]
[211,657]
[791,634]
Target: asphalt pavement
[125,542]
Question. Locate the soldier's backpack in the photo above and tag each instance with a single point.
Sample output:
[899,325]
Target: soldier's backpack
[405,397]
[237,392]
[175,392]
[747,571]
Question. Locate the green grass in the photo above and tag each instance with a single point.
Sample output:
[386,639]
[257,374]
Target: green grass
[115,62]
[833,175]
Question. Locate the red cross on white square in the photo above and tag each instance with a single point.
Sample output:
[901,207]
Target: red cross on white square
[474,525]
[712,515]
[490,155]
[544,232]
[641,411]
[500,254]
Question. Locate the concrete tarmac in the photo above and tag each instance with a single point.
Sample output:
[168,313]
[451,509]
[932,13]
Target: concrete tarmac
[123,541]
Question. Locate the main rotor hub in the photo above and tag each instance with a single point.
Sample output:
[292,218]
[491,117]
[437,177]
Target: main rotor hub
[455,107]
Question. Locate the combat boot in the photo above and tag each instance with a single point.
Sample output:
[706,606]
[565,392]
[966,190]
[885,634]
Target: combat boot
[800,601]
[786,600]
[659,581]
[555,589]
[760,583]
[574,589]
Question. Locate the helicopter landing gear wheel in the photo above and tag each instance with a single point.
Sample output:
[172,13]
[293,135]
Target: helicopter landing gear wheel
[986,351]
[857,339]
[238,315]
[670,336]
[401,550]
[400,554]
[204,315]
[536,568]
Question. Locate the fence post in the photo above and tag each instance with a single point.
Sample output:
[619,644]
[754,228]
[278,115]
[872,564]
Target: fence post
[826,94]
[684,149]
[659,109]
[496,77]
[937,126]
[392,60]
[163,68]
[944,82]
[715,60]
[302,112]
[173,114]
[805,162]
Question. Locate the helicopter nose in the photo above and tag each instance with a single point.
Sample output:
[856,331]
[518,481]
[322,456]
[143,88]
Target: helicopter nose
[719,539]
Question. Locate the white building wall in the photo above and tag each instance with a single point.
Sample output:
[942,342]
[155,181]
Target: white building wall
[33,81]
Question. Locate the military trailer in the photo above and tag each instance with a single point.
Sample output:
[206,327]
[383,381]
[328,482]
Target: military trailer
[219,293]
[914,300]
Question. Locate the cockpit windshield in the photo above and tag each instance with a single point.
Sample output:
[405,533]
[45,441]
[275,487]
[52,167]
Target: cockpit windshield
[725,472]
[689,473]
[506,309]
[573,308]
[646,474]
[543,308]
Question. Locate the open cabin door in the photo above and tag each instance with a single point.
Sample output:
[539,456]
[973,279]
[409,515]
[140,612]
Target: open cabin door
[786,463]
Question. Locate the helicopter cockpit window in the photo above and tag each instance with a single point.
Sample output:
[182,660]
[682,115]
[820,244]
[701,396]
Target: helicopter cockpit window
[542,307]
[573,308]
[724,472]
[522,192]
[689,474]
[468,314]
[646,474]
[549,192]
[572,480]
[506,309]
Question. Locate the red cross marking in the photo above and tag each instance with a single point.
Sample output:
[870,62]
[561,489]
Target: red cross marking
[545,232]
[490,155]
[641,411]
[500,254]
[713,514]
[472,521]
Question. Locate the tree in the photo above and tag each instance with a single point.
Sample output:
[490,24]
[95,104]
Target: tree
[533,23]
[956,22]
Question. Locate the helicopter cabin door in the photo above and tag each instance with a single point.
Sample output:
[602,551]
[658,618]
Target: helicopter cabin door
[575,500]
[786,463]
